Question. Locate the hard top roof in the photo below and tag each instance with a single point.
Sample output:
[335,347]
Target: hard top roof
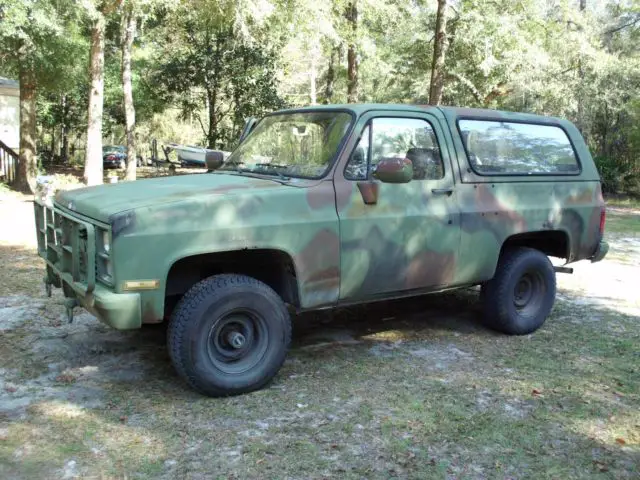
[451,111]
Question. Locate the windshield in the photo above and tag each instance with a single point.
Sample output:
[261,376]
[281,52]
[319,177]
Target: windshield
[291,145]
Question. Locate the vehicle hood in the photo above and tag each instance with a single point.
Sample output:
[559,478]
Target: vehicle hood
[102,201]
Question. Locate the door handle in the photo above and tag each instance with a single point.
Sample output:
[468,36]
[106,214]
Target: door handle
[442,191]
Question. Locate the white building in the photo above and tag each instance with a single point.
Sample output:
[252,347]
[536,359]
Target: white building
[10,113]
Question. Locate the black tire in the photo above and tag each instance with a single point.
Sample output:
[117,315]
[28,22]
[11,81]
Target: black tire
[519,298]
[203,340]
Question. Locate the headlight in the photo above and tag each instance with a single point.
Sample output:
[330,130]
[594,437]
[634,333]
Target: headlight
[106,241]
[103,257]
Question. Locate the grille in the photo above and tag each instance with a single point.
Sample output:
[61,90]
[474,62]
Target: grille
[68,245]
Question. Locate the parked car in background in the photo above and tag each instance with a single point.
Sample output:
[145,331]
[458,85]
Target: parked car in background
[114,156]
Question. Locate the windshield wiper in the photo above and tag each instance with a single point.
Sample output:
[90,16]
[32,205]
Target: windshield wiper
[276,168]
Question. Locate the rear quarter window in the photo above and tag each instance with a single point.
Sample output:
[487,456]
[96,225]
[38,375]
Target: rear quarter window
[509,148]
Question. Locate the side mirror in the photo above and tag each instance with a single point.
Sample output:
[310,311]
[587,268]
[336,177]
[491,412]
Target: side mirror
[213,159]
[394,170]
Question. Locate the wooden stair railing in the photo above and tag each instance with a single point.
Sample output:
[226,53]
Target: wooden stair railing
[8,163]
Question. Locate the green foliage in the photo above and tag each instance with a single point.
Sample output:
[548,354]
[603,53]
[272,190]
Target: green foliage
[210,60]
[201,67]
[42,35]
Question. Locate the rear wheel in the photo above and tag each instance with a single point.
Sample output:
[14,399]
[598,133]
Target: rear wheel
[228,335]
[520,297]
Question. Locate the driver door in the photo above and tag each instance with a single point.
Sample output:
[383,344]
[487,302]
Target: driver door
[397,238]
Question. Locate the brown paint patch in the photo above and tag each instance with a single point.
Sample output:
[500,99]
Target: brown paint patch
[583,198]
[489,204]
[369,192]
[228,188]
[319,260]
[321,195]
[429,269]
[327,280]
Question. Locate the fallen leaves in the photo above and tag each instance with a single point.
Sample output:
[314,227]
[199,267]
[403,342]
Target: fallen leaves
[65,378]
[537,392]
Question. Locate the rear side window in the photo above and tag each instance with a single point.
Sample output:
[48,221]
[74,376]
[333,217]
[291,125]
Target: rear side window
[506,148]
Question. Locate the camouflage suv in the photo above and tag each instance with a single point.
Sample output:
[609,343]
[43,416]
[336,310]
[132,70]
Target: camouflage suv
[322,207]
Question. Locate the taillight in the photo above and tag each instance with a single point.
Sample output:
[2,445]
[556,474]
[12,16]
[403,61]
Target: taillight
[603,217]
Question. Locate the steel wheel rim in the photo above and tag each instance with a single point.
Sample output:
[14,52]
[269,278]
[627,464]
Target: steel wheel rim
[529,292]
[237,341]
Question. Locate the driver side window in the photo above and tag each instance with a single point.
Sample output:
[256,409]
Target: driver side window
[394,137]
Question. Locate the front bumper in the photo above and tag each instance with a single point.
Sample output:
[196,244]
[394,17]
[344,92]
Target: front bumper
[121,311]
[601,251]
[73,268]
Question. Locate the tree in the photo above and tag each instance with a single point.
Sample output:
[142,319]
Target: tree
[352,56]
[39,40]
[93,156]
[27,166]
[210,58]
[439,54]
[128,35]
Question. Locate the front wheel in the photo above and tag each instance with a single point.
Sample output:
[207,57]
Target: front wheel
[229,335]
[520,297]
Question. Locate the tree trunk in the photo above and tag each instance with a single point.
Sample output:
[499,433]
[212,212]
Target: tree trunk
[213,89]
[439,55]
[352,60]
[580,123]
[129,33]
[27,166]
[93,155]
[212,102]
[64,154]
[54,144]
[331,76]
[313,73]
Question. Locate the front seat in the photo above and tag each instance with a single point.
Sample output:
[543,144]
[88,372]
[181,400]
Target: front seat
[426,163]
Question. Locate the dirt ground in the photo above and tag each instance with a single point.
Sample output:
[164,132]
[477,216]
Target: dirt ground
[413,389]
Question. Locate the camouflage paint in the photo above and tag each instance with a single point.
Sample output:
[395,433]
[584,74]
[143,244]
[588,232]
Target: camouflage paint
[349,240]
[408,240]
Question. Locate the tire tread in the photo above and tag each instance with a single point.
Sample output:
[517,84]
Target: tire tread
[182,316]
[494,292]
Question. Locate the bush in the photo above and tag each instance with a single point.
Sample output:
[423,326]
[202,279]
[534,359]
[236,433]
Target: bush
[617,177]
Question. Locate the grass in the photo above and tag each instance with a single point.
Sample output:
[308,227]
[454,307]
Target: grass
[421,390]
[623,202]
[628,224]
